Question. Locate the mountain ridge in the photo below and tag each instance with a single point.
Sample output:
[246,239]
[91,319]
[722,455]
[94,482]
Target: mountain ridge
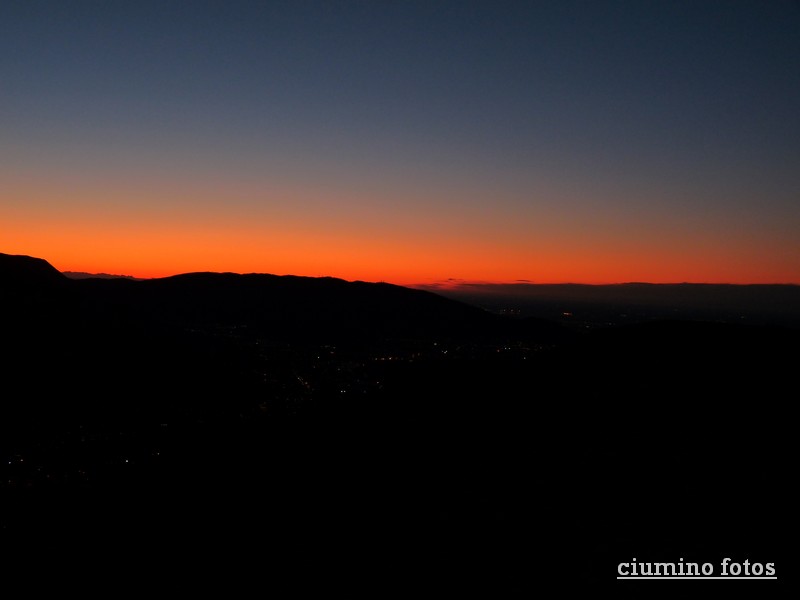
[285,307]
[22,269]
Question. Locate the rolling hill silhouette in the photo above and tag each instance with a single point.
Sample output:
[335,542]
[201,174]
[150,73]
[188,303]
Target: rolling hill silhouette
[278,307]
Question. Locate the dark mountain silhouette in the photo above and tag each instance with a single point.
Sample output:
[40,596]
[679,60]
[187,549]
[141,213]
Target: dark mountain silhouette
[279,307]
[33,273]
[294,308]
[315,434]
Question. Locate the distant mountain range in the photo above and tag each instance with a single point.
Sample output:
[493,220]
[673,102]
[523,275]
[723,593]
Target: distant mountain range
[82,275]
[635,302]
[292,307]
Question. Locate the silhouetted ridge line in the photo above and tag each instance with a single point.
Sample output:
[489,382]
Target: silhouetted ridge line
[280,308]
[22,270]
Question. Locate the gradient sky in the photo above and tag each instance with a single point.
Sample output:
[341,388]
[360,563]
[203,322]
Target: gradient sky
[409,142]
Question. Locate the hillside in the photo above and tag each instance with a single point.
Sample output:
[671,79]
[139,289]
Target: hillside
[370,433]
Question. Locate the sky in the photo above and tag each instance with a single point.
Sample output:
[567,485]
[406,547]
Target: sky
[410,142]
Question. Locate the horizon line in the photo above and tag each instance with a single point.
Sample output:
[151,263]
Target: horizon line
[438,284]
[430,283]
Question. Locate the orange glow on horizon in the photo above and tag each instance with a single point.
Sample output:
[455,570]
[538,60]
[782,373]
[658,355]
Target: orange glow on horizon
[160,251]
[378,242]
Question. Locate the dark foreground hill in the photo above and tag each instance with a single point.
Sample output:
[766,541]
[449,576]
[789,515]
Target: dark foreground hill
[217,431]
[276,308]
[27,273]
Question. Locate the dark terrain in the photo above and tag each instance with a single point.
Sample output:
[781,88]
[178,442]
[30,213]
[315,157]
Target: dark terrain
[593,306]
[218,431]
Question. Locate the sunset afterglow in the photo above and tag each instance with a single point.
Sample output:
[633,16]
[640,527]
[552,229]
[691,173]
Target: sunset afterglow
[532,141]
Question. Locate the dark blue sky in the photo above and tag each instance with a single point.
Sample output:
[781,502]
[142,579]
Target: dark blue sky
[664,134]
